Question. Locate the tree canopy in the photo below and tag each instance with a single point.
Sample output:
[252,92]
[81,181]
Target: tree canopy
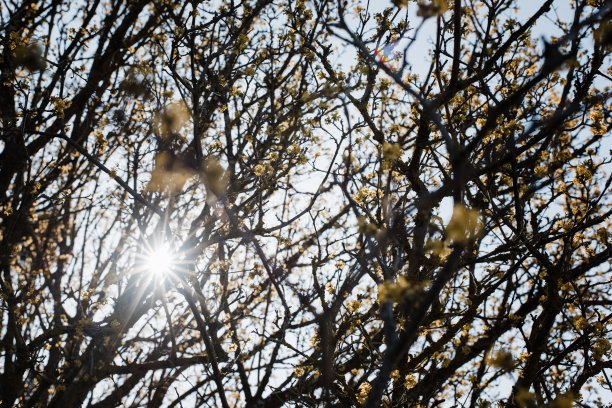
[266,203]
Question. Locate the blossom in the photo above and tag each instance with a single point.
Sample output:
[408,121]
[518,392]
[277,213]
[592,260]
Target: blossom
[464,225]
[409,381]
[363,391]
[259,170]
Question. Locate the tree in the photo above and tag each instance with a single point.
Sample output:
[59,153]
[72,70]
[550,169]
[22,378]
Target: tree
[206,205]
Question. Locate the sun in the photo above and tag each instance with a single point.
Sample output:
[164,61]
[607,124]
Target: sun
[160,260]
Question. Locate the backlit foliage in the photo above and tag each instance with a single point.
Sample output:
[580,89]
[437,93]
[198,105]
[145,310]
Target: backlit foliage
[340,230]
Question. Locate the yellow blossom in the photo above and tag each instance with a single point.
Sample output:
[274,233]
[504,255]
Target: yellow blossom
[432,8]
[363,391]
[464,225]
[391,151]
[583,173]
[353,305]
[410,381]
[60,105]
[581,323]
[259,170]
[524,398]
[399,290]
[293,149]
[601,348]
[503,360]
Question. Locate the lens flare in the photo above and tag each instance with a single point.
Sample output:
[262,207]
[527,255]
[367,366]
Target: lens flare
[160,260]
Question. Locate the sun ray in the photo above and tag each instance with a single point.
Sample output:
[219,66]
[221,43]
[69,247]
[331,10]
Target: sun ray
[160,260]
